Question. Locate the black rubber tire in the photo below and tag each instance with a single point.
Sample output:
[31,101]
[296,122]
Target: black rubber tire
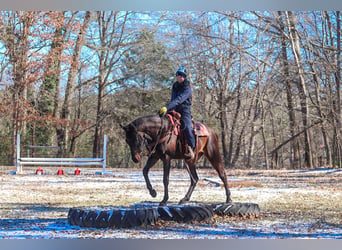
[89,218]
[177,213]
[71,216]
[144,214]
[236,209]
[78,219]
[102,221]
[204,212]
[113,218]
[180,213]
[164,213]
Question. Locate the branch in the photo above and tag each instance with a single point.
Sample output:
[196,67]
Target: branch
[294,136]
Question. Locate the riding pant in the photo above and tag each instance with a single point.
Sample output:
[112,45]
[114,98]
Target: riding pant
[186,125]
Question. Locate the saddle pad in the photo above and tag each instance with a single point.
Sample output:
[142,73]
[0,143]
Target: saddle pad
[201,130]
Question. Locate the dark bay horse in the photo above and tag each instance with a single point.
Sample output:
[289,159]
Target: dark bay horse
[160,136]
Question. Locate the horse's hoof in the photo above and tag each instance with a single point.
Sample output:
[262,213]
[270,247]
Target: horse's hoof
[183,201]
[162,204]
[153,193]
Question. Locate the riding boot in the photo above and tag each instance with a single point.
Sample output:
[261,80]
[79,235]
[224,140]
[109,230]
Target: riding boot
[190,154]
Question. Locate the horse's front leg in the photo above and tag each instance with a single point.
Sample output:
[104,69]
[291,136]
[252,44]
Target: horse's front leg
[150,162]
[166,167]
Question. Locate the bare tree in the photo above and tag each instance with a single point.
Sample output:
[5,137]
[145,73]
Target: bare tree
[63,134]
[295,161]
[301,84]
[112,34]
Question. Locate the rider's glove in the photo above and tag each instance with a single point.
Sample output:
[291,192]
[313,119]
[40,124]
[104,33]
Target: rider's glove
[163,111]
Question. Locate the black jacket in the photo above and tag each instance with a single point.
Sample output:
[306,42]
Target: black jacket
[180,97]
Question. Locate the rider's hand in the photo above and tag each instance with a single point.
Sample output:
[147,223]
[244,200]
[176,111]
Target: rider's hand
[163,111]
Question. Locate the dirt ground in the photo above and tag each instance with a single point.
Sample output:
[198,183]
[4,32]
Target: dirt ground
[293,203]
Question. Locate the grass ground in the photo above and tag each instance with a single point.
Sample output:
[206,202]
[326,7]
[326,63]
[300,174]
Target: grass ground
[300,204]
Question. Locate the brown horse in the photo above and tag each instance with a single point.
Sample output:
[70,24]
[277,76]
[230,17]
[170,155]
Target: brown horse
[160,136]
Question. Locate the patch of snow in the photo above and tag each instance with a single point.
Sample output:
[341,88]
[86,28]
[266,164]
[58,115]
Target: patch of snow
[60,229]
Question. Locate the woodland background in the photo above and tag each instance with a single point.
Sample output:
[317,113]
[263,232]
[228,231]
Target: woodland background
[269,83]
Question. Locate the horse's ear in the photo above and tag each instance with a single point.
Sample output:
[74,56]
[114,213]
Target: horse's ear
[134,127]
[123,127]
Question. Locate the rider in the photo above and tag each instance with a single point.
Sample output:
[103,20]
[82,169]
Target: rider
[181,102]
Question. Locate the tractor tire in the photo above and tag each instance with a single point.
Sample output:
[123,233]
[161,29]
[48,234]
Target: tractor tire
[180,213]
[113,218]
[185,213]
[236,209]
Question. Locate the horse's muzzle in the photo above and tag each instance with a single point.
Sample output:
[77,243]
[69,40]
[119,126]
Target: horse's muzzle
[136,157]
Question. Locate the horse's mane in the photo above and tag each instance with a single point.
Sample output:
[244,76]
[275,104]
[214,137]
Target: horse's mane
[146,121]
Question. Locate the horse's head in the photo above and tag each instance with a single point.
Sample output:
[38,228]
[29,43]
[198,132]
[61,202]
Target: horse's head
[142,132]
[135,140]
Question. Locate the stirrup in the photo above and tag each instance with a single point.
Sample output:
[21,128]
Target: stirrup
[190,154]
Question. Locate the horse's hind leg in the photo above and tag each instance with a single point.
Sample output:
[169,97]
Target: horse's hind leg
[222,174]
[223,177]
[212,153]
[193,179]
[150,162]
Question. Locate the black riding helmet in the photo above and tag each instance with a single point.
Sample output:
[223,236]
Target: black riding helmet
[181,71]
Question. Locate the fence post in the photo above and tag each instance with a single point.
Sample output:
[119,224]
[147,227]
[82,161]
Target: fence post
[104,154]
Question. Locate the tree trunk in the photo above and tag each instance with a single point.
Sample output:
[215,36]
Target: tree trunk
[338,91]
[294,39]
[99,112]
[233,131]
[295,161]
[69,91]
[321,116]
[49,90]
[338,71]
[17,46]
[263,133]
[223,130]
[253,131]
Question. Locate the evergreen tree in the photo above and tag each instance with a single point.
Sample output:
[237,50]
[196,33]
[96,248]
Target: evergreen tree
[147,63]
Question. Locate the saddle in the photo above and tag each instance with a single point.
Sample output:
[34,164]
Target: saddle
[199,129]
